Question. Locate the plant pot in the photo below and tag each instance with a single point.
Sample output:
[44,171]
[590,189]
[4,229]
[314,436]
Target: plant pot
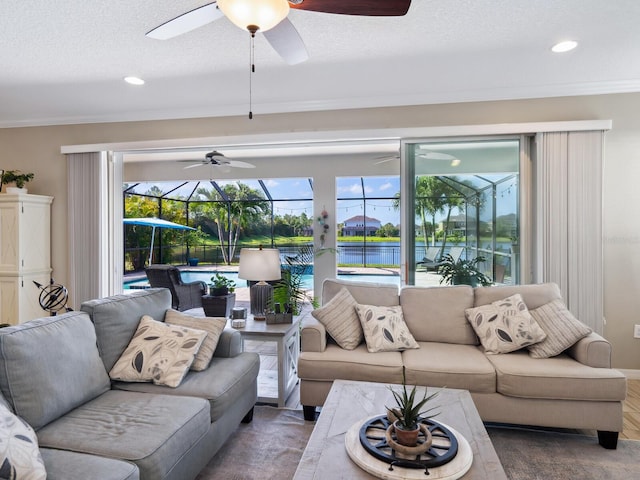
[408,438]
[218,291]
[16,191]
[193,262]
[218,306]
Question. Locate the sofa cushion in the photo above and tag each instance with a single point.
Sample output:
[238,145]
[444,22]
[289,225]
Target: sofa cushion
[63,365]
[534,295]
[341,320]
[365,293]
[153,431]
[19,453]
[451,366]
[436,314]
[358,364]
[116,318]
[221,384]
[562,329]
[158,352]
[385,329]
[63,465]
[505,325]
[556,378]
[212,325]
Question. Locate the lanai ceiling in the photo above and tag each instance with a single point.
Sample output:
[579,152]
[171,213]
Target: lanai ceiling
[63,61]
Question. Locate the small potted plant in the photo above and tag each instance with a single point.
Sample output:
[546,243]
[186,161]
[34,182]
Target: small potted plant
[18,178]
[462,272]
[221,286]
[408,413]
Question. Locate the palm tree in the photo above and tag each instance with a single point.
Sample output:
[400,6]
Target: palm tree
[244,207]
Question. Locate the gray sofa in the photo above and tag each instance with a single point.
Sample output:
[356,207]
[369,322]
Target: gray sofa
[576,389]
[53,374]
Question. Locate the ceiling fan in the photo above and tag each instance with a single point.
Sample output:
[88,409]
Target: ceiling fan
[276,27]
[217,159]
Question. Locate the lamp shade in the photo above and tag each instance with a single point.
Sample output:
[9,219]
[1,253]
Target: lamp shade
[264,14]
[261,264]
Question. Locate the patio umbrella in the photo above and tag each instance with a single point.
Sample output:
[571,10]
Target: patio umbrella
[154,223]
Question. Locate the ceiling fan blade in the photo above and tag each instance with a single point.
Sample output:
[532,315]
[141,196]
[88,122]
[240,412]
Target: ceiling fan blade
[194,165]
[287,42]
[373,8]
[386,158]
[238,164]
[186,22]
[435,155]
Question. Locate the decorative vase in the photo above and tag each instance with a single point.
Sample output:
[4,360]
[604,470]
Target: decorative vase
[16,191]
[408,438]
[218,291]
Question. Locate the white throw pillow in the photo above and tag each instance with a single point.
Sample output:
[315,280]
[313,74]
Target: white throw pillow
[212,325]
[561,327]
[385,329]
[19,453]
[340,319]
[505,325]
[158,352]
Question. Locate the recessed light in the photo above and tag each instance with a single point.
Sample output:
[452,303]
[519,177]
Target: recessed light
[134,80]
[564,46]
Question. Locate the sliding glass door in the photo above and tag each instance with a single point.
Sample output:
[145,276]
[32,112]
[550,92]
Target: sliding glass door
[463,201]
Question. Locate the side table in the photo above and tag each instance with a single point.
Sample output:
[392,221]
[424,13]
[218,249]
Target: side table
[287,339]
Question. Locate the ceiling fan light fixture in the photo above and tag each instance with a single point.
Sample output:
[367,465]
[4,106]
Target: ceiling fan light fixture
[249,14]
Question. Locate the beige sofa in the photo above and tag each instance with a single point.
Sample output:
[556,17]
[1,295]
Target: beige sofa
[576,389]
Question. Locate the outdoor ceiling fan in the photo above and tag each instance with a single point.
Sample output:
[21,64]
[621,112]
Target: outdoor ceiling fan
[270,18]
[217,159]
[424,153]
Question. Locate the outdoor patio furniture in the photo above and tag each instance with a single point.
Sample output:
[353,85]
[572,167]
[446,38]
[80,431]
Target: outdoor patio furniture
[183,295]
[432,259]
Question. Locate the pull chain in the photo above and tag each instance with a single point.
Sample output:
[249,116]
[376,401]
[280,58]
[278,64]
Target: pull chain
[252,69]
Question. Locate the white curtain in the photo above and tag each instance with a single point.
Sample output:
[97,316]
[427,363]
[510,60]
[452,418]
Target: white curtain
[568,219]
[88,243]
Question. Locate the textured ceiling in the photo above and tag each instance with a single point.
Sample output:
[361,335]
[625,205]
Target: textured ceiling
[62,61]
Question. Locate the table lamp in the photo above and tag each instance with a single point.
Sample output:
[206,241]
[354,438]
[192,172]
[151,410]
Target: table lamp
[261,265]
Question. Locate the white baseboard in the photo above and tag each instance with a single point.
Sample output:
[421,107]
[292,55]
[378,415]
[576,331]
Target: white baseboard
[632,374]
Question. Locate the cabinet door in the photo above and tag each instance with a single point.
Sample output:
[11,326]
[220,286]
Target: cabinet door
[9,237]
[35,232]
[9,296]
[29,296]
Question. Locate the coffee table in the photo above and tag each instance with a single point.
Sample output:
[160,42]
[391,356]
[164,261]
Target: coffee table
[349,402]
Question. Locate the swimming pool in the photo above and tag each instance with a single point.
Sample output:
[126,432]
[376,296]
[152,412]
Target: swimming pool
[307,280]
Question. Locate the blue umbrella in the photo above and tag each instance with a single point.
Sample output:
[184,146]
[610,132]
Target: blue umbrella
[155,223]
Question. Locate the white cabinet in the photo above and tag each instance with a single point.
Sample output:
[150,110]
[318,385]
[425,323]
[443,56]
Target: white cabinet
[25,255]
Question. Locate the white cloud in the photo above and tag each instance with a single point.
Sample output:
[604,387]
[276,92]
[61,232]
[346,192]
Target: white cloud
[271,183]
[386,186]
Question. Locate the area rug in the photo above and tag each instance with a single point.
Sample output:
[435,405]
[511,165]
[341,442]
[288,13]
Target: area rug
[531,454]
[270,447]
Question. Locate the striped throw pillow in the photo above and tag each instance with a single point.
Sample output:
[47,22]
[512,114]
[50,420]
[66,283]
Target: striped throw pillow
[341,320]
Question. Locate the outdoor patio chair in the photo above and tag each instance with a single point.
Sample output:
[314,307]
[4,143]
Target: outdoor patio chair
[183,295]
[432,259]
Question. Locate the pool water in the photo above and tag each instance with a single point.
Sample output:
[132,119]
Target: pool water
[307,280]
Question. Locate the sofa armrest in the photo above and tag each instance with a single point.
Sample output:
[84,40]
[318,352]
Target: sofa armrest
[592,350]
[229,344]
[313,335]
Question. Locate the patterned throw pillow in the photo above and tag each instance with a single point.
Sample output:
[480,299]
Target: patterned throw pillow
[19,453]
[159,353]
[505,326]
[212,325]
[561,327]
[385,329]
[340,319]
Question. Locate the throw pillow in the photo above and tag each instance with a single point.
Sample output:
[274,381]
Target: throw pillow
[159,353]
[561,327]
[505,325]
[212,325]
[19,453]
[385,329]
[340,319]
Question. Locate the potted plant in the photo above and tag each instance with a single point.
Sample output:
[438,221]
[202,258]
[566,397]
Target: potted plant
[462,272]
[221,286]
[18,178]
[408,413]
